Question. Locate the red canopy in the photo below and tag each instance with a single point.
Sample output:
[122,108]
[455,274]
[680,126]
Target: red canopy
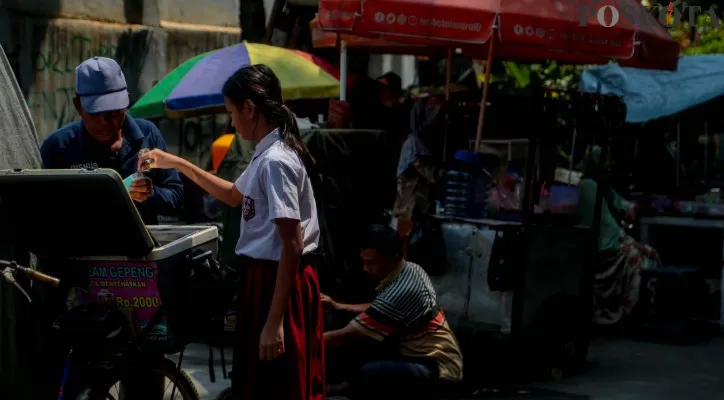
[329,39]
[527,30]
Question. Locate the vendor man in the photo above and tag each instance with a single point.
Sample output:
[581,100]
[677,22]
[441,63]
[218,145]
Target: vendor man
[417,351]
[107,137]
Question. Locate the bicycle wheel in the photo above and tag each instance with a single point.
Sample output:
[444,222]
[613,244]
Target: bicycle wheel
[225,395]
[109,387]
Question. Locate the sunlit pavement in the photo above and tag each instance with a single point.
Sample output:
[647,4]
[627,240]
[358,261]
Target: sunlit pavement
[620,370]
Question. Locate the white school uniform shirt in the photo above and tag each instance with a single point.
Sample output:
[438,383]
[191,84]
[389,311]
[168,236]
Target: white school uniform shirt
[275,185]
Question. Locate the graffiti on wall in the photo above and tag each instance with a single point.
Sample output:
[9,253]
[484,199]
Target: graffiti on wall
[45,53]
[64,60]
[50,87]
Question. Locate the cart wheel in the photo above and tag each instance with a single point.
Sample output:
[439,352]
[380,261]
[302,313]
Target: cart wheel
[556,373]
[109,386]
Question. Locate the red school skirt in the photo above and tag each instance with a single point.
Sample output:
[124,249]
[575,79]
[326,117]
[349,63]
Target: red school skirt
[298,374]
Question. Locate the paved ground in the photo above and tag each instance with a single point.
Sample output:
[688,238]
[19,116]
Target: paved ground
[196,365]
[620,370]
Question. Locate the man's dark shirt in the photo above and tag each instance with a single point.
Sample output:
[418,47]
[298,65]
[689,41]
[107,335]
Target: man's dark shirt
[72,147]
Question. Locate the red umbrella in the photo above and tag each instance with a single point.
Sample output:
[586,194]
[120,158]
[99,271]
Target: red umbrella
[326,39]
[569,31]
[526,30]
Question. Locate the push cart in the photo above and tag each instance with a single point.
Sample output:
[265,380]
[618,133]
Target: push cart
[519,293]
[85,230]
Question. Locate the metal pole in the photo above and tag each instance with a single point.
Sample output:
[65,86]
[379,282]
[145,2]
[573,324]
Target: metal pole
[678,152]
[706,151]
[448,79]
[343,70]
[448,74]
[573,151]
[486,87]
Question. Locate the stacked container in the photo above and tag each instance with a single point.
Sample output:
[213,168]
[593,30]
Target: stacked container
[466,189]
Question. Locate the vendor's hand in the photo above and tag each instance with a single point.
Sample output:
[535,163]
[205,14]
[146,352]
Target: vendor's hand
[631,214]
[328,300]
[271,342]
[156,159]
[141,189]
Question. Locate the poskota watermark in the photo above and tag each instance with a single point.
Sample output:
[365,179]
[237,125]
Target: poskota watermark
[610,14]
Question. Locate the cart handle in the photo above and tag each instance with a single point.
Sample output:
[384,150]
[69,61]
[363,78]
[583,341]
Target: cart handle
[32,274]
[203,256]
[8,269]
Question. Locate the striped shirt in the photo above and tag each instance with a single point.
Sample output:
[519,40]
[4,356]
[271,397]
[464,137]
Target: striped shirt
[406,312]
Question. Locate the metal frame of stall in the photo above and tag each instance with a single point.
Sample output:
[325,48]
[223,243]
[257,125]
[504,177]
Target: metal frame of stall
[600,113]
[582,106]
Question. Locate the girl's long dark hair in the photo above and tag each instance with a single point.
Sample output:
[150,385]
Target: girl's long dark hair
[258,84]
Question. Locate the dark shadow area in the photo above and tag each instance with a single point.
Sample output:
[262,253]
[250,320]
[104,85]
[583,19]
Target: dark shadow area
[131,54]
[22,51]
[133,11]
[523,393]
[20,330]
[252,20]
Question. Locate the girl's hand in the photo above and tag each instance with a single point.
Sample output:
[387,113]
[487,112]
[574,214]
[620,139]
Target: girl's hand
[157,159]
[271,342]
[328,300]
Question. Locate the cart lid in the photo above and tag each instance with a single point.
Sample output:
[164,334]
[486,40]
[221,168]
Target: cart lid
[72,213]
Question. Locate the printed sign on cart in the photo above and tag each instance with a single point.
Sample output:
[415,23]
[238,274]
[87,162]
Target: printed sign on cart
[130,286]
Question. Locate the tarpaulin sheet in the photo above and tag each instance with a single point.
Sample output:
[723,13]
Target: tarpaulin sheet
[655,94]
[18,149]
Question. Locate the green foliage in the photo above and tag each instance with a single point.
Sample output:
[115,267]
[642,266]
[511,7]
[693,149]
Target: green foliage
[520,77]
[709,39]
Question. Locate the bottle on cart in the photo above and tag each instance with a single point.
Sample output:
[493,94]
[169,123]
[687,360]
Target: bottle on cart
[461,183]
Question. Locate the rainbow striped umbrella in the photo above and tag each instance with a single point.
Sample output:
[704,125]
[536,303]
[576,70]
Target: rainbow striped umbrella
[194,87]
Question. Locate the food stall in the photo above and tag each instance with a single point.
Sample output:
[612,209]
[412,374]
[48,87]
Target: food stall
[523,279]
[683,221]
[470,239]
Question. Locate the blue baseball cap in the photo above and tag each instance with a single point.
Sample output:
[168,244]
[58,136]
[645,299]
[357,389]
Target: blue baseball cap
[101,86]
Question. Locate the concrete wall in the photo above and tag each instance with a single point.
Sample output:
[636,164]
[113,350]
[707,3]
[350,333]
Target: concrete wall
[97,10]
[45,53]
[202,12]
[46,39]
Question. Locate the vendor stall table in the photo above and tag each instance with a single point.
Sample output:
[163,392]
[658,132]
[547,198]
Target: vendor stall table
[709,245]
[680,222]
[516,304]
[469,243]
[552,269]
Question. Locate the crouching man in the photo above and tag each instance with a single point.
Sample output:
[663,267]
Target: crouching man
[419,352]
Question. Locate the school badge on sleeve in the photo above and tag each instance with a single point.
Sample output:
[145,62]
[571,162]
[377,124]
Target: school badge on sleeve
[249,210]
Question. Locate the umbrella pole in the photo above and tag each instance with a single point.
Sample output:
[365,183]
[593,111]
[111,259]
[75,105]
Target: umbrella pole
[448,74]
[448,79]
[481,116]
[678,153]
[706,152]
[343,70]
